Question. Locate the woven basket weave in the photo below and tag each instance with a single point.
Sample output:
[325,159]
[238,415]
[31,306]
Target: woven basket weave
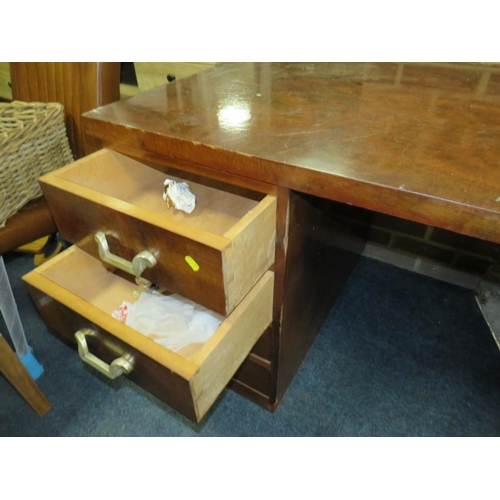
[33,141]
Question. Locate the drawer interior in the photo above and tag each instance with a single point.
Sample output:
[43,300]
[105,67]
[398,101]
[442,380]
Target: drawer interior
[213,256]
[76,282]
[103,289]
[117,176]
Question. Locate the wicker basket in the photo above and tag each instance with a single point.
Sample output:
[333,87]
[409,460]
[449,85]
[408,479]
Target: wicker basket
[33,141]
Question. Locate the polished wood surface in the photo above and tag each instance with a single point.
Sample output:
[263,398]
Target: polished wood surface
[418,141]
[231,237]
[73,290]
[31,222]
[149,373]
[321,247]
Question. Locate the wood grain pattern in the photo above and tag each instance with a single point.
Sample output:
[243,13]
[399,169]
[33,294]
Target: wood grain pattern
[79,86]
[73,291]
[417,141]
[76,280]
[217,179]
[147,372]
[413,140]
[250,252]
[217,366]
[15,372]
[318,244]
[112,193]
[78,219]
[125,180]
[320,251]
[31,222]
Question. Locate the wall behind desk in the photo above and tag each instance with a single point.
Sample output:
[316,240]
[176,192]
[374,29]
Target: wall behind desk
[429,249]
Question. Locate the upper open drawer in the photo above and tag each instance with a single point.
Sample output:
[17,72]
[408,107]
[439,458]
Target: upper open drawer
[111,206]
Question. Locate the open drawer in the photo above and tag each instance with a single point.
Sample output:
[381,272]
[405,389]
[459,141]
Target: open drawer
[111,205]
[76,295]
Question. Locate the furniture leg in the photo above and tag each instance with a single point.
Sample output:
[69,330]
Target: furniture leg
[14,371]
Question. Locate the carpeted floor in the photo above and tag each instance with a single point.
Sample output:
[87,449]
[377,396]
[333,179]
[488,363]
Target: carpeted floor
[400,355]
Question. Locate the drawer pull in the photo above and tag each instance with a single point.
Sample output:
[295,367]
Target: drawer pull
[136,267]
[118,367]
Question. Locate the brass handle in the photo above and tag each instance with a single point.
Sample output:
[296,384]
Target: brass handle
[136,267]
[118,367]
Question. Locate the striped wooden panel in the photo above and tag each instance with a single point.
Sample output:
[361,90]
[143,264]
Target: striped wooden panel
[79,86]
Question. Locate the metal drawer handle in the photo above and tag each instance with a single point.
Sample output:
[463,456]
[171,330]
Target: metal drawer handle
[118,367]
[136,267]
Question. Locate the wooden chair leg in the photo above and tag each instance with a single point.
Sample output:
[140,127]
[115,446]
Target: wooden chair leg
[19,377]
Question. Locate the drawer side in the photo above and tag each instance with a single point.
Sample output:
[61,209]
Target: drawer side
[251,251]
[217,366]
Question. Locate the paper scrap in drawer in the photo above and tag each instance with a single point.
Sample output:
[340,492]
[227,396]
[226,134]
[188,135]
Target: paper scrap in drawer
[178,195]
[172,320]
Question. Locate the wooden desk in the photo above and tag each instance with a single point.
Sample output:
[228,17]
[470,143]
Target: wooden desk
[417,141]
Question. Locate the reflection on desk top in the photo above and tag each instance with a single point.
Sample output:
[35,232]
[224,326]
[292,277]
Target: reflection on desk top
[414,140]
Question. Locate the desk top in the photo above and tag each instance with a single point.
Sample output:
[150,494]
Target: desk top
[418,141]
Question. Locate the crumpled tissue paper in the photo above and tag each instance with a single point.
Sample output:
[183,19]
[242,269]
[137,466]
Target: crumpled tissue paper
[178,195]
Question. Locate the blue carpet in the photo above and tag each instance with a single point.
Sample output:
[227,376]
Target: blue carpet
[400,355]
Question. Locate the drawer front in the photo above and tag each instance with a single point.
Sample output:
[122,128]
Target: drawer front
[128,236]
[213,256]
[74,292]
[149,374]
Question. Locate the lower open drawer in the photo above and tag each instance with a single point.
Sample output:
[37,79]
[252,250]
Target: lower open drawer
[76,296]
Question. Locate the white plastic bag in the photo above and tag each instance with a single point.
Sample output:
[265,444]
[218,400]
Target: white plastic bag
[172,320]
